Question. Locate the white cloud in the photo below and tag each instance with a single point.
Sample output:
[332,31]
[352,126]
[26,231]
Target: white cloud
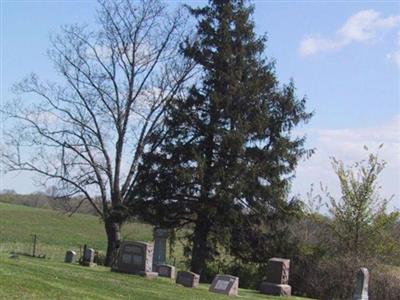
[347,145]
[395,55]
[363,26]
[313,45]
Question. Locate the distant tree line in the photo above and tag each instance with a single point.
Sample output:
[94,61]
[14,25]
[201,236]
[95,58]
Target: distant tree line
[47,200]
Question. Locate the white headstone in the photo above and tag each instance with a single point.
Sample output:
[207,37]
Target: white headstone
[361,290]
[70,256]
[88,256]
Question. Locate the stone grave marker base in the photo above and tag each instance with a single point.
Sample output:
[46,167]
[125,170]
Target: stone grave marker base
[275,289]
[88,264]
[148,275]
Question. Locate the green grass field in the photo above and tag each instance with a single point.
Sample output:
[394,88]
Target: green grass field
[32,278]
[56,232]
[50,278]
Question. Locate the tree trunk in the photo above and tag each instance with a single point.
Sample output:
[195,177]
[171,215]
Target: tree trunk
[113,240]
[200,249]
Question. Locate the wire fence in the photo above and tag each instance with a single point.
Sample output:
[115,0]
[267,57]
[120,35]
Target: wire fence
[39,247]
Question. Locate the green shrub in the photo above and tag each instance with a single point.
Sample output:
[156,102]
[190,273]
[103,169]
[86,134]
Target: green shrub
[99,258]
[333,277]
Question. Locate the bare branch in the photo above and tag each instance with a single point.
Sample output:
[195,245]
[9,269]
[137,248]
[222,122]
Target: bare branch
[87,132]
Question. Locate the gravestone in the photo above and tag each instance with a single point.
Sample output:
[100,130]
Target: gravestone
[88,257]
[135,258]
[277,278]
[225,284]
[278,270]
[166,271]
[70,257]
[361,289]
[188,279]
[160,247]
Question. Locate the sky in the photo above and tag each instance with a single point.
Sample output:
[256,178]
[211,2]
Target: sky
[344,57]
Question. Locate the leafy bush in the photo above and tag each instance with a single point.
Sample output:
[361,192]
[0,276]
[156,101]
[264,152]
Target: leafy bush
[384,284]
[358,232]
[334,278]
[250,275]
[99,258]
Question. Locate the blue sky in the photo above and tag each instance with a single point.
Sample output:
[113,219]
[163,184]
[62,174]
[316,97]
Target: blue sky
[343,55]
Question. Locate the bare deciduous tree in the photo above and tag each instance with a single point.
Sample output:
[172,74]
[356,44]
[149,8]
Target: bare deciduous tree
[87,134]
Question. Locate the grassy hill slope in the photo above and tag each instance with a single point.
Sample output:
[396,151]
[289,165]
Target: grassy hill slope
[50,278]
[32,278]
[55,231]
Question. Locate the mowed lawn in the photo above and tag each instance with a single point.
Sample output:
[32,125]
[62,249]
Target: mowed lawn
[51,278]
[57,232]
[33,278]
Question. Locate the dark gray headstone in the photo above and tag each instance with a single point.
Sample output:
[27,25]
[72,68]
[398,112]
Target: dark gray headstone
[278,270]
[166,271]
[135,258]
[70,257]
[160,246]
[88,256]
[188,279]
[225,284]
[277,278]
[361,289]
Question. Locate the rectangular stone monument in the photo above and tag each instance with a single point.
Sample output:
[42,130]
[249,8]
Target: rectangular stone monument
[70,257]
[361,289]
[160,247]
[188,279]
[166,271]
[278,270]
[88,257]
[135,258]
[277,278]
[225,284]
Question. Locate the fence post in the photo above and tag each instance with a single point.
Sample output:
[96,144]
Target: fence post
[34,245]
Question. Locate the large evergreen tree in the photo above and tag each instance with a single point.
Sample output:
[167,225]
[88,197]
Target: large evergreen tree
[223,159]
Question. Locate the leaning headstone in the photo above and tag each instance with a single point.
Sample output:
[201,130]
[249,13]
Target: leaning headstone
[361,290]
[225,284]
[166,271]
[160,247]
[88,257]
[277,278]
[135,258]
[70,257]
[188,279]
